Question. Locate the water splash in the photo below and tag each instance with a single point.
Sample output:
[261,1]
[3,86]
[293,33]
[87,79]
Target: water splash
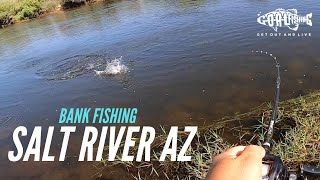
[79,65]
[113,68]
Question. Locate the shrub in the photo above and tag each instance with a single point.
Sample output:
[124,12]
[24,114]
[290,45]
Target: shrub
[27,9]
[50,5]
[6,14]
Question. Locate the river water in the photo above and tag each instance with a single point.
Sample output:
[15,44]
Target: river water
[188,62]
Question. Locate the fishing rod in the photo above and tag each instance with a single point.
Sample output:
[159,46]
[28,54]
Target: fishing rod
[277,169]
[267,143]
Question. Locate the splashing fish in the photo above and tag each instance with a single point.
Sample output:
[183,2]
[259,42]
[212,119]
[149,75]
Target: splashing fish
[114,67]
[284,18]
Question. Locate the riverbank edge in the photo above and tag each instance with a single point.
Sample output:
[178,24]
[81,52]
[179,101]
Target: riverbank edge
[59,8]
[296,141]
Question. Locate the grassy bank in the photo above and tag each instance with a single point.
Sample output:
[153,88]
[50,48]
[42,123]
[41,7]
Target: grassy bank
[297,140]
[12,11]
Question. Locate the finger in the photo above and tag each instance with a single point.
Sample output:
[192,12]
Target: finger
[234,151]
[253,151]
[251,161]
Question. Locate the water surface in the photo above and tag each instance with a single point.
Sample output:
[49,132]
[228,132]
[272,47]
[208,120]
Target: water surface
[188,62]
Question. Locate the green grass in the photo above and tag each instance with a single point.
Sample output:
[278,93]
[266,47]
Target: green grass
[302,143]
[296,141]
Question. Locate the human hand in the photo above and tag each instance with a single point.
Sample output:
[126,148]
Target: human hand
[238,163]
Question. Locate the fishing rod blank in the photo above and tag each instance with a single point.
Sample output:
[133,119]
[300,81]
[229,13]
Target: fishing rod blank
[267,143]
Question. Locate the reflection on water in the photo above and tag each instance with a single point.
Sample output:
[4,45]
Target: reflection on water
[189,62]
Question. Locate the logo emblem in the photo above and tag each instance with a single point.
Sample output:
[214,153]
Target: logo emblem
[284,18]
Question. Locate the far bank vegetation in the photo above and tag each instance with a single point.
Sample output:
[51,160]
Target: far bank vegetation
[12,11]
